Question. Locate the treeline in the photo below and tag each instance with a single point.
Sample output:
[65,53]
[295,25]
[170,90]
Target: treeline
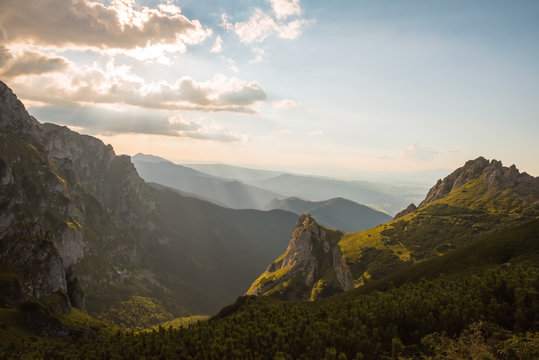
[494,315]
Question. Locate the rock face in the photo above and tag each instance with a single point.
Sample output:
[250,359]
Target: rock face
[312,266]
[494,175]
[78,224]
[406,211]
[491,173]
[47,173]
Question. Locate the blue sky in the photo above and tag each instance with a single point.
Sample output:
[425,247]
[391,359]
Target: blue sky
[325,87]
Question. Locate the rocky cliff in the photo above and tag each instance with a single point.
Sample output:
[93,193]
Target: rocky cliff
[50,177]
[77,223]
[311,266]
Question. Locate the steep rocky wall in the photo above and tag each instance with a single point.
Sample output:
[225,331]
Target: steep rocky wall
[311,266]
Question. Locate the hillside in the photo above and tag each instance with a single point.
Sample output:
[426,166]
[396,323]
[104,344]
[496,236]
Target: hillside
[79,224]
[338,213]
[474,202]
[230,193]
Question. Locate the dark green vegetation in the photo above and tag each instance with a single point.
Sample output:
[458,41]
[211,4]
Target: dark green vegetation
[137,313]
[337,213]
[77,220]
[492,315]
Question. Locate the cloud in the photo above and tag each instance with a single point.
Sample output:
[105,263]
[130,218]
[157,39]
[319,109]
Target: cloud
[217,46]
[284,104]
[118,85]
[5,56]
[284,8]
[98,120]
[316,133]
[28,63]
[260,26]
[120,24]
[419,152]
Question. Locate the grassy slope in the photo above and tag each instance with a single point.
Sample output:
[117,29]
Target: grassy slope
[472,212]
[518,245]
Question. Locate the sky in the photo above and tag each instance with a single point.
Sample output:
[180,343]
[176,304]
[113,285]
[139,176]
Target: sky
[336,88]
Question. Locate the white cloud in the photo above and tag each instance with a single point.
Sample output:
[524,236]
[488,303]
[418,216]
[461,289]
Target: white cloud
[419,152]
[284,104]
[316,133]
[260,26]
[284,8]
[218,45]
[123,120]
[118,85]
[28,62]
[120,24]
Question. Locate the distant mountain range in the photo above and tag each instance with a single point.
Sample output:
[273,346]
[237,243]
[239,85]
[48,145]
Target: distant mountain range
[337,213]
[381,197]
[240,187]
[239,173]
[230,193]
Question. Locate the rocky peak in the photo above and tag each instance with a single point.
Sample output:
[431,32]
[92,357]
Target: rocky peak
[312,265]
[459,177]
[14,116]
[493,174]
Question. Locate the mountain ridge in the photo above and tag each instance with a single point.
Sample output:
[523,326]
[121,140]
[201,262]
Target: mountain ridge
[231,193]
[475,201]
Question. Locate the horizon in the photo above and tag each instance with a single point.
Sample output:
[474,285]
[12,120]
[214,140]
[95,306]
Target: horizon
[342,89]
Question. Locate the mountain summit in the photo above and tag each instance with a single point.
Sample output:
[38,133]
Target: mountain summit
[493,175]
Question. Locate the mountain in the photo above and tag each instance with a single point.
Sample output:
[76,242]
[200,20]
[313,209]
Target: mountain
[231,193]
[312,265]
[386,198]
[79,227]
[239,173]
[476,201]
[337,213]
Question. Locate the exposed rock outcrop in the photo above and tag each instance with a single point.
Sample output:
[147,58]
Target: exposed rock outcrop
[47,173]
[406,211]
[493,173]
[311,266]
